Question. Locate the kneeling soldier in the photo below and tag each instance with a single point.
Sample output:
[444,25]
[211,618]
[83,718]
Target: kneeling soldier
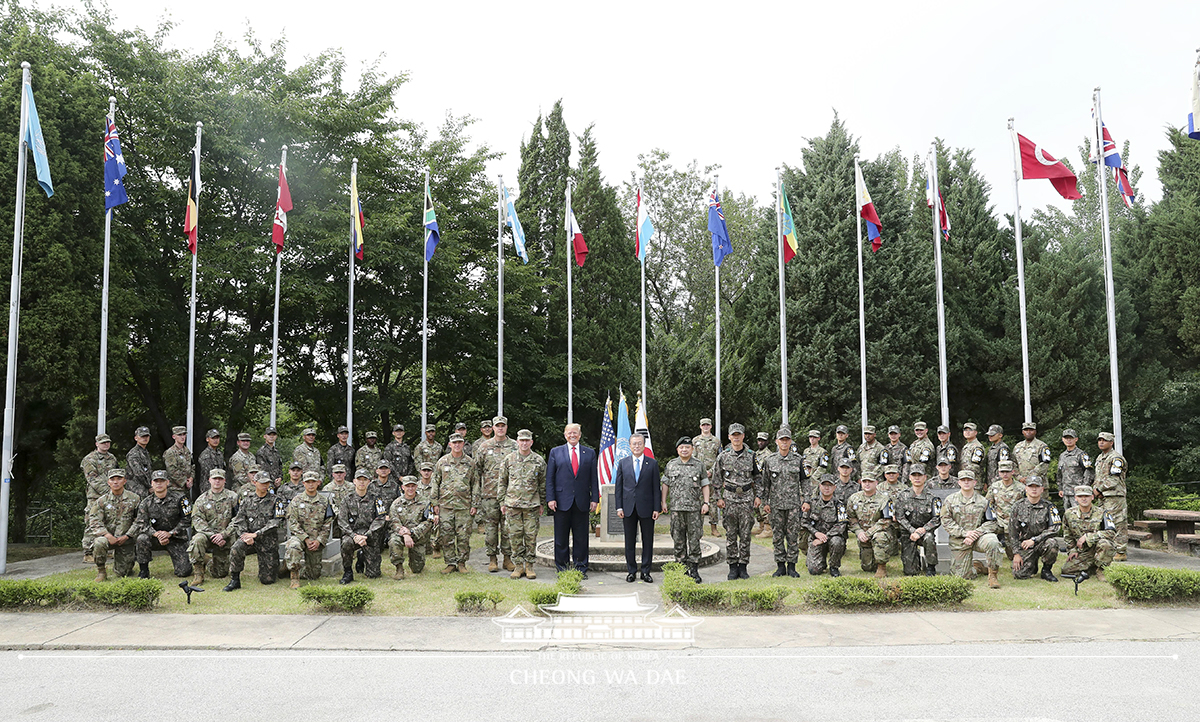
[412,521]
[919,514]
[968,519]
[1089,532]
[110,518]
[256,528]
[1033,532]
[212,520]
[361,517]
[519,488]
[826,523]
[309,520]
[687,481]
[162,523]
[865,512]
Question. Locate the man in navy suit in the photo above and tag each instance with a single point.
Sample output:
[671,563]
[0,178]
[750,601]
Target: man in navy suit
[572,493]
[639,500]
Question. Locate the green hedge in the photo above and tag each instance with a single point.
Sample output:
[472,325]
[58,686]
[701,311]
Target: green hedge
[569,582]
[131,594]
[906,591]
[471,602]
[1154,583]
[353,598]
[681,589]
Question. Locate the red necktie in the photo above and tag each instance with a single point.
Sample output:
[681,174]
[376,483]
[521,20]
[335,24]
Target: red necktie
[575,460]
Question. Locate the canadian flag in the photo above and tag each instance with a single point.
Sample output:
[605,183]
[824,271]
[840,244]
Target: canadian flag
[282,206]
[1037,163]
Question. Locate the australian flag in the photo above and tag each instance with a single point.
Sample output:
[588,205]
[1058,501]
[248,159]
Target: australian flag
[114,168]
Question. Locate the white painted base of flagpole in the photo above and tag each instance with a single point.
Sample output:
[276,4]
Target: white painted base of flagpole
[609,556]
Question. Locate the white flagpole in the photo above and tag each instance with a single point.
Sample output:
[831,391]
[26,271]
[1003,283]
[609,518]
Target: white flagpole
[570,313]
[102,409]
[862,304]
[191,392]
[783,379]
[717,307]
[1020,271]
[645,255]
[1109,291]
[350,341]
[499,297]
[424,319]
[275,328]
[14,305]
[935,190]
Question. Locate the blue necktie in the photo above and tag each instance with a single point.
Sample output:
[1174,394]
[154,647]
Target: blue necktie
[637,469]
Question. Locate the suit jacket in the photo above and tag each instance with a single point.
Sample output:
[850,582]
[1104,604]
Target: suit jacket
[565,486]
[643,494]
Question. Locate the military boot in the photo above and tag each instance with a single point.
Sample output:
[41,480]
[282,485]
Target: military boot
[757,528]
[1099,575]
[781,569]
[742,573]
[766,532]
[517,572]
[791,570]
[696,574]
[437,553]
[235,582]
[1120,557]
[462,567]
[714,530]
[88,558]
[835,572]
[101,573]
[295,579]
[361,565]
[492,565]
[144,570]
[733,572]
[399,574]
[980,567]
[347,577]
[449,569]
[198,577]
[993,581]
[1047,574]
[880,571]
[508,564]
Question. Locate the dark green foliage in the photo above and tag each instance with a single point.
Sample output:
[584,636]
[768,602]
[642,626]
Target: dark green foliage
[681,589]
[846,592]
[475,602]
[933,591]
[1154,584]
[125,594]
[907,591]
[351,598]
[569,582]
[1145,492]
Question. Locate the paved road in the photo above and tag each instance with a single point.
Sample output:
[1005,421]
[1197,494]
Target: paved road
[1116,681]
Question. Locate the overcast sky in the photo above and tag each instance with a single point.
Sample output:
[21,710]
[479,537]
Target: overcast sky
[742,84]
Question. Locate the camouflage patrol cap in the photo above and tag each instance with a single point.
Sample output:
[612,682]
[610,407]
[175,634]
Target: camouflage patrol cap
[178,430]
[736,429]
[706,421]
[114,473]
[372,435]
[485,424]
[271,430]
[460,425]
[845,462]
[160,474]
[869,429]
[843,429]
[338,467]
[870,476]
[966,474]
[362,474]
[1070,434]
[995,429]
[253,469]
[309,432]
[408,480]
[1034,480]
[970,425]
[245,437]
[891,469]
[814,432]
[1084,490]
[1029,425]
[765,436]
[426,466]
[398,427]
[785,432]
[310,476]
[1004,466]
[524,435]
[102,438]
[383,464]
[216,474]
[456,438]
[943,429]
[213,434]
[1106,435]
[497,420]
[828,479]
[683,441]
[430,427]
[343,429]
[917,468]
[919,426]
[893,429]
[142,431]
[296,465]
[943,460]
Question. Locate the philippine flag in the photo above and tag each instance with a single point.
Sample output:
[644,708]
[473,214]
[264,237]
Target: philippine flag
[645,228]
[866,209]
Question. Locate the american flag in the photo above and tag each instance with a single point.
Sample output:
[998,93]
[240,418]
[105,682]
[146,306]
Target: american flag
[608,450]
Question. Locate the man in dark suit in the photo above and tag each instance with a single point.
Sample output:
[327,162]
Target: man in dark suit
[639,500]
[572,493]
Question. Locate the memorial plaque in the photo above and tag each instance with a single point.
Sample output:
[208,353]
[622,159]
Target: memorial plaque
[612,527]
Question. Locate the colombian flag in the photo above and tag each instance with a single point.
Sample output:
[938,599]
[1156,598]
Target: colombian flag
[191,217]
[790,246]
[356,218]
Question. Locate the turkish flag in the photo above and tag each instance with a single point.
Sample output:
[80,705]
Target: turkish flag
[1037,163]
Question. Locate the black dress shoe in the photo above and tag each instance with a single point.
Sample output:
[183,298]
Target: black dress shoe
[584,574]
[630,577]
[647,578]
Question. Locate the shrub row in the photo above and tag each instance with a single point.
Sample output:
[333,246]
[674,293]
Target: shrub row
[906,591]
[130,594]
[681,589]
[473,602]
[1153,583]
[353,598]
[569,582]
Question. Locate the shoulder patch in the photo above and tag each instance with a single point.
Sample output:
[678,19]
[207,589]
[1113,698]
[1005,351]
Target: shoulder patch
[1055,517]
[937,505]
[1045,456]
[1116,467]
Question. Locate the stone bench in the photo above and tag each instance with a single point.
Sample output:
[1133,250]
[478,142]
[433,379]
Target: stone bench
[1156,528]
[1179,521]
[1137,536]
[1192,541]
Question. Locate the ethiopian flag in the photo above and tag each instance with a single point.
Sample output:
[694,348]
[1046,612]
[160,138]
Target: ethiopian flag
[790,246]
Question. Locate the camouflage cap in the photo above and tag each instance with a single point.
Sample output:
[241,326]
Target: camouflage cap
[213,434]
[891,469]
[102,438]
[142,431]
[343,429]
[408,480]
[706,420]
[1084,490]
[966,474]
[1004,466]
[893,429]
[736,429]
[869,429]
[1070,434]
[785,432]
[310,476]
[870,476]
[524,435]
[114,473]
[943,460]
[245,437]
[430,427]
[764,436]
[943,429]
[253,469]
[425,466]
[1034,480]
[919,426]
[178,430]
[160,474]
[497,420]
[456,438]
[296,465]
[843,429]
[1106,435]
[970,425]
[995,429]
[1029,425]
[362,474]
[264,479]
[683,441]
[309,432]
[846,463]
[383,464]
[398,427]
[814,432]
[271,430]
[485,424]
[338,467]
[917,468]
[828,479]
[216,474]
[372,435]
[460,425]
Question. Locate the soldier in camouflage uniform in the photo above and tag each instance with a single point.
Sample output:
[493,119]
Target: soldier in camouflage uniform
[398,454]
[706,447]
[178,460]
[310,520]
[337,490]
[109,520]
[239,466]
[341,452]
[488,461]
[945,479]
[95,466]
[895,452]
[762,525]
[816,458]
[1002,495]
[946,449]
[784,487]
[212,520]
[468,448]
[210,458]
[919,515]
[1033,532]
[138,465]
[369,456]
[844,450]
[519,489]
[293,487]
[307,454]
[997,451]
[891,484]
[485,433]
[826,522]
[1074,468]
[256,529]
[412,520]
[686,482]
[428,450]
[455,501]
[968,520]
[845,484]
[1089,534]
[362,518]
[921,451]
[974,456]
[269,458]
[1110,488]
[433,540]
[865,516]
[1031,454]
[386,487]
[162,523]
[736,477]
[869,454]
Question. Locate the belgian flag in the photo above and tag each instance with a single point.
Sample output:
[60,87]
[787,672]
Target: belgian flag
[191,217]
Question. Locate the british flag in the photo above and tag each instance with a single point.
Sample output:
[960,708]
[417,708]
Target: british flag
[1112,159]
[606,460]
